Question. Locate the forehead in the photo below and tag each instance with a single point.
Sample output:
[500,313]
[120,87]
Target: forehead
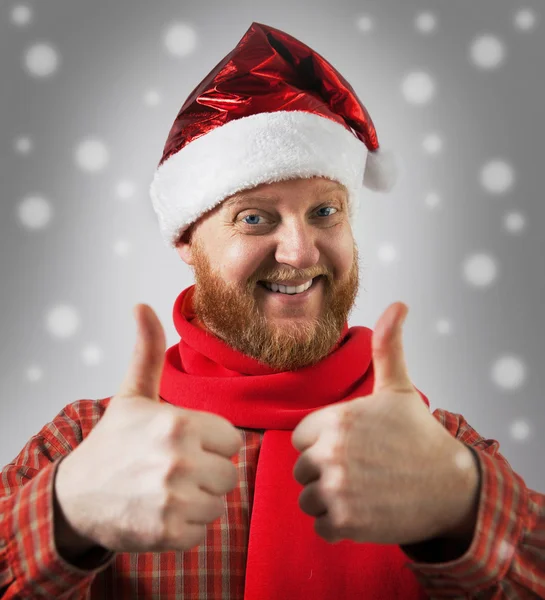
[275,191]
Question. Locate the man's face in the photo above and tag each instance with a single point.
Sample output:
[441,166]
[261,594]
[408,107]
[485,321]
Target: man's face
[291,231]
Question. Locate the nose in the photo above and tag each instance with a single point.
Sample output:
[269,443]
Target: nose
[296,247]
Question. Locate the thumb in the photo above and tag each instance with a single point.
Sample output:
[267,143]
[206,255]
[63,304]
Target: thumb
[390,368]
[144,374]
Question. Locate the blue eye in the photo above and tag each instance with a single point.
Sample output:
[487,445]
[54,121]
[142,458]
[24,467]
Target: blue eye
[259,216]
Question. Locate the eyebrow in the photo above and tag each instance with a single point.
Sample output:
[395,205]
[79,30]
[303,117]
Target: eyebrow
[249,197]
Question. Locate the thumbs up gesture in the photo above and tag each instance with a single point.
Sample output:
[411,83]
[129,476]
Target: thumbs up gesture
[149,476]
[381,468]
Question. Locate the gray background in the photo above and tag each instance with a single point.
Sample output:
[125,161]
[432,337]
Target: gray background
[461,246]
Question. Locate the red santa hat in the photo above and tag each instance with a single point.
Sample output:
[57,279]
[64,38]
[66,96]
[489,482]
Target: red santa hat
[273,109]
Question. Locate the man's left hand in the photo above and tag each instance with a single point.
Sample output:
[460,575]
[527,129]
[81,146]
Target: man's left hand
[381,468]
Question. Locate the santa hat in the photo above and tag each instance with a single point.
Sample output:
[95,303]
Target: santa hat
[273,109]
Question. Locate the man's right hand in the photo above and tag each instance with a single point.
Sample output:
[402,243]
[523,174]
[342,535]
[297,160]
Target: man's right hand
[150,476]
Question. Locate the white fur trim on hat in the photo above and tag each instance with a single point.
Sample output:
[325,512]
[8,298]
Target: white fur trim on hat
[242,154]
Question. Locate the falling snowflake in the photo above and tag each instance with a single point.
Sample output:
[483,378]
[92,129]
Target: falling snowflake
[443,327]
[497,177]
[525,19]
[122,247]
[41,60]
[508,372]
[418,88]
[62,321]
[21,15]
[520,430]
[514,222]
[387,253]
[92,155]
[180,39]
[432,199]
[432,143]
[152,98]
[480,270]
[23,145]
[34,373]
[91,355]
[125,189]
[487,52]
[425,22]
[34,212]
[365,23]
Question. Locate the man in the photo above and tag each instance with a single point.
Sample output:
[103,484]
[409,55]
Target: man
[273,452]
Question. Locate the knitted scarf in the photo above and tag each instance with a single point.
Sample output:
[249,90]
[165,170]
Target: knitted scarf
[286,558]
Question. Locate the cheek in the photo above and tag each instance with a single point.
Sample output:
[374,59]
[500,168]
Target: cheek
[240,262]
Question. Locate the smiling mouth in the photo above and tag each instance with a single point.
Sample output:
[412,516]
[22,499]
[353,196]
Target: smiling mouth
[314,281]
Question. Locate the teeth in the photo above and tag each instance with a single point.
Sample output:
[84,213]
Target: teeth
[290,289]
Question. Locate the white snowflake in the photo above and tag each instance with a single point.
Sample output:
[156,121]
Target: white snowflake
[41,60]
[34,212]
[152,98]
[387,253]
[418,88]
[487,52]
[180,39]
[122,247]
[425,22]
[62,321]
[365,23]
[34,373]
[92,155]
[21,14]
[497,176]
[525,19]
[514,222]
[443,327]
[432,199]
[91,355]
[125,189]
[432,143]
[480,270]
[23,145]
[508,372]
[520,430]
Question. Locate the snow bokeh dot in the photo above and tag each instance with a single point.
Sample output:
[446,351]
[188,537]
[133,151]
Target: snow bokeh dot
[425,22]
[34,373]
[91,355]
[62,321]
[152,98]
[387,253]
[180,39]
[34,212]
[92,155]
[508,372]
[520,430]
[122,247]
[41,60]
[365,24]
[432,199]
[497,176]
[125,189]
[480,270]
[418,88]
[432,143]
[487,52]
[514,222]
[21,14]
[525,19]
[23,145]
[443,327]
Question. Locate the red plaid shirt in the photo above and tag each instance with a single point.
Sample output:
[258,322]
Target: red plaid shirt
[506,558]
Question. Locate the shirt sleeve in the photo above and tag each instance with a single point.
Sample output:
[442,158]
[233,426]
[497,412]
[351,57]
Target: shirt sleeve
[30,565]
[506,557]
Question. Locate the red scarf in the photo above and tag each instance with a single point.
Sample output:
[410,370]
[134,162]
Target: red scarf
[286,558]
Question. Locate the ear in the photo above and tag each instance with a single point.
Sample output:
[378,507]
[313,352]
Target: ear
[184,246]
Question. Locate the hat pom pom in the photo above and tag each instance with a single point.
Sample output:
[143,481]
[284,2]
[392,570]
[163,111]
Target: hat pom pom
[381,171]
